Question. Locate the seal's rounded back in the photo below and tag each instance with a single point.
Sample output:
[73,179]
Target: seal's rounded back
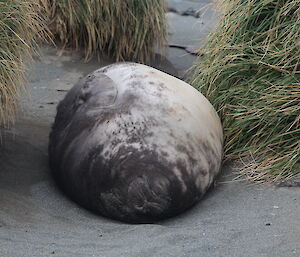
[135,144]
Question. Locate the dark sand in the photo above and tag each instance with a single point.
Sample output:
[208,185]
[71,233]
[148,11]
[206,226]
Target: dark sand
[36,219]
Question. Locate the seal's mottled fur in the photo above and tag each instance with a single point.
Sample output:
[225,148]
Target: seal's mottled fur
[135,144]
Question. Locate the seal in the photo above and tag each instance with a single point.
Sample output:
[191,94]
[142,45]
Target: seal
[135,144]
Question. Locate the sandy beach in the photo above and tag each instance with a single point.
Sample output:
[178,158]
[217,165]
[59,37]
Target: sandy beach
[234,219]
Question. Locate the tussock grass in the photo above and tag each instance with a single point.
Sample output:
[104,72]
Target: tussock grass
[20,28]
[251,74]
[126,29]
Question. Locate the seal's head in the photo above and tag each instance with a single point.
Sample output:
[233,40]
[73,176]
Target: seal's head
[135,144]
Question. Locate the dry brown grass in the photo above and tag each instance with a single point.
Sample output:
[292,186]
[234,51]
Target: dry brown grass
[20,28]
[126,29]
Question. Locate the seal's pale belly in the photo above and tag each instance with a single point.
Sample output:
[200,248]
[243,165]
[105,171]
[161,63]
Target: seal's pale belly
[135,144]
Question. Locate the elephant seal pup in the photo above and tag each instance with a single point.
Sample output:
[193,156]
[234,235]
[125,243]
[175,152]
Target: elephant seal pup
[135,144]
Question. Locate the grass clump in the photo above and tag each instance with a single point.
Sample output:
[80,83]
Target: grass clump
[126,29]
[251,74]
[20,28]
